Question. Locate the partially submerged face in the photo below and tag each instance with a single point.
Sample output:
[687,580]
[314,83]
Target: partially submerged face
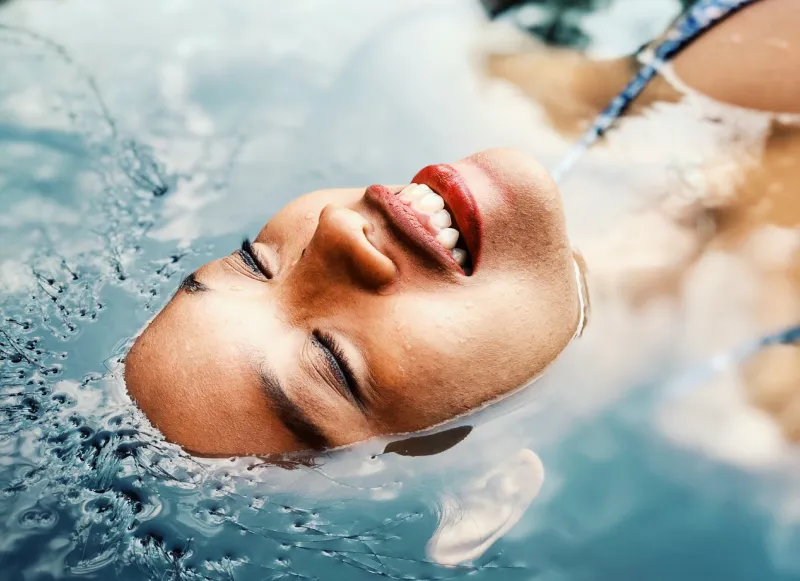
[349,316]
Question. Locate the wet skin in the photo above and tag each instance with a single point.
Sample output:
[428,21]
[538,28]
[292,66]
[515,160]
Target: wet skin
[341,326]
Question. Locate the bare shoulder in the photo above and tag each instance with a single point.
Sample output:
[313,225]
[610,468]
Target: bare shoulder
[751,60]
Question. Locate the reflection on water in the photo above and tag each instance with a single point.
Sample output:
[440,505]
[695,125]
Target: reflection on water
[136,143]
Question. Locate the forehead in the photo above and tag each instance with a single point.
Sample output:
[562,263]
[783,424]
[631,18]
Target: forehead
[193,373]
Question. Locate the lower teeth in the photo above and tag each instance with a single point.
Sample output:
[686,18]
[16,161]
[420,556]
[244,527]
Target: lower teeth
[459,255]
[448,237]
[425,201]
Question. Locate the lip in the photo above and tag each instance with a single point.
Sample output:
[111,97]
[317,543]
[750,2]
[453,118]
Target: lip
[404,221]
[448,183]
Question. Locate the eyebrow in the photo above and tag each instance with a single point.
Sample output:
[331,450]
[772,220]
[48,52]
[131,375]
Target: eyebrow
[296,421]
[191,285]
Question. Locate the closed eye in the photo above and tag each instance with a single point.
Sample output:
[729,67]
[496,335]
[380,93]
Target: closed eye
[249,257]
[339,365]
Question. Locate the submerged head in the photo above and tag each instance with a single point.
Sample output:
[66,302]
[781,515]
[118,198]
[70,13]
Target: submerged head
[349,317]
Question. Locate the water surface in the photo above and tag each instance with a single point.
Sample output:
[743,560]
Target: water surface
[140,140]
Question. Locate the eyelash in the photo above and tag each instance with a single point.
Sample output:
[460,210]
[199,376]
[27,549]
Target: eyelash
[341,363]
[248,257]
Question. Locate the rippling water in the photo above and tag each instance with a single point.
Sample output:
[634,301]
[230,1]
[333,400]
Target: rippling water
[139,139]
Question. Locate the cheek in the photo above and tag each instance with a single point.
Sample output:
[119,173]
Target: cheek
[289,233]
[509,327]
[438,324]
[425,348]
[461,323]
[437,355]
[292,228]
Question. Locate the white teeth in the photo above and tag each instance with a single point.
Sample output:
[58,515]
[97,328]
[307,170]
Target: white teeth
[414,192]
[448,238]
[441,219]
[429,204]
[424,200]
[460,255]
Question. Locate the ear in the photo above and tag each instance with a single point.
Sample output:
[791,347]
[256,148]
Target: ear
[429,444]
[472,519]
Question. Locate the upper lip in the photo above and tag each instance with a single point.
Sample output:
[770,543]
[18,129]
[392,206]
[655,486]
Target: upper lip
[448,183]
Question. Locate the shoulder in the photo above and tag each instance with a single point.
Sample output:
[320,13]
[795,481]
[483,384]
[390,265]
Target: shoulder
[751,59]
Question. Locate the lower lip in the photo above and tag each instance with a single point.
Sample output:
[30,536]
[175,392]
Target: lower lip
[448,183]
[406,222]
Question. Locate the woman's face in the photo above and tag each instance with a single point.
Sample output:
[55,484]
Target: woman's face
[349,316]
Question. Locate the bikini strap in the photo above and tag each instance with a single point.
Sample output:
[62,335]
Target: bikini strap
[700,18]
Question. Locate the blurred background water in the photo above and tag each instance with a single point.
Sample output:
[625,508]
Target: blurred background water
[139,139]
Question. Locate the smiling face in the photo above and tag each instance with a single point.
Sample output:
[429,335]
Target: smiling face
[350,316]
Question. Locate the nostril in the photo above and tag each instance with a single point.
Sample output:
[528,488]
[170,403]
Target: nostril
[348,239]
[367,230]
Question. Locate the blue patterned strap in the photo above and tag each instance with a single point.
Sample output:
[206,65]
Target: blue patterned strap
[700,18]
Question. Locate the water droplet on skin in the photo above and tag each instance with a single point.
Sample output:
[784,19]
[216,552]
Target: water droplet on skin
[777,43]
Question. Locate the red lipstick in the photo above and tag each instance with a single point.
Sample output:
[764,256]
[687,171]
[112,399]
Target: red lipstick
[448,183]
[405,221]
[459,201]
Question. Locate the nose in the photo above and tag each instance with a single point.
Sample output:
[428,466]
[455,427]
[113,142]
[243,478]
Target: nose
[341,246]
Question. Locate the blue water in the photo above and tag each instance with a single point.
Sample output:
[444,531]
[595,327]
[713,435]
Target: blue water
[136,141]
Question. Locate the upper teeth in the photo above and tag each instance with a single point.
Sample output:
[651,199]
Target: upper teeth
[441,219]
[429,203]
[425,201]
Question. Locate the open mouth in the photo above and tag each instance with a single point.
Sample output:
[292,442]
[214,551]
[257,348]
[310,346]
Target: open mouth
[437,213]
[445,181]
[433,214]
